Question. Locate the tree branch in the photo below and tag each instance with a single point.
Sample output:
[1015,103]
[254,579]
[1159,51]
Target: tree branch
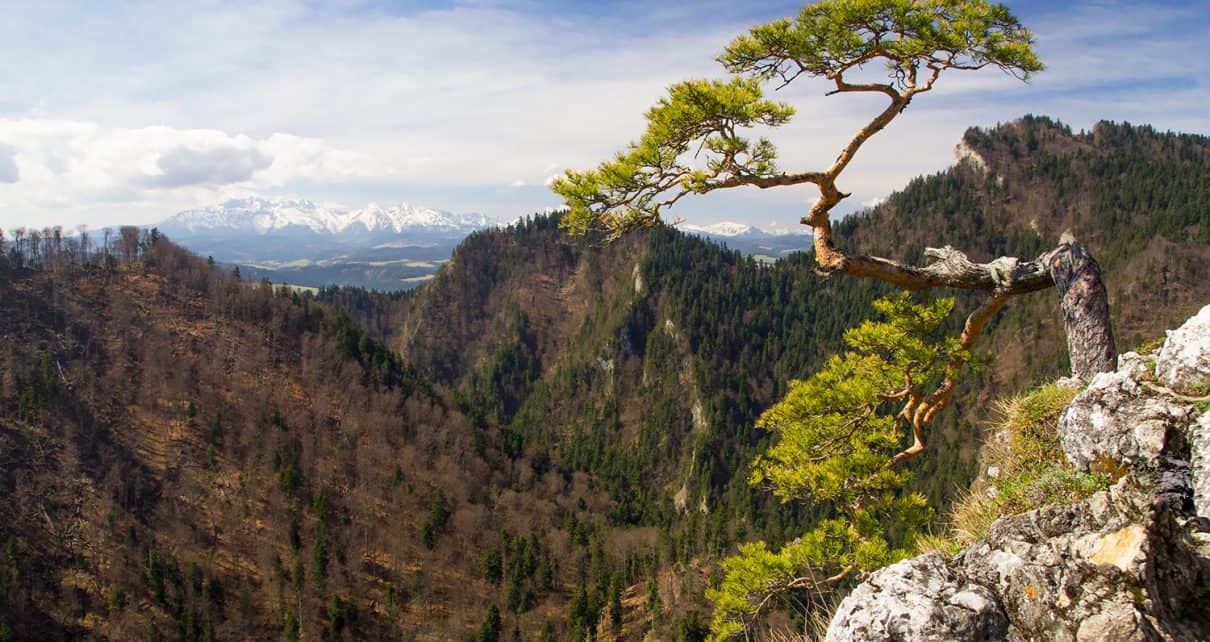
[923,413]
[773,591]
[873,127]
[951,269]
[765,182]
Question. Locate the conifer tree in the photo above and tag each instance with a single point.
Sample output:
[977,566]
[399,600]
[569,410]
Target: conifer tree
[836,431]
[693,145]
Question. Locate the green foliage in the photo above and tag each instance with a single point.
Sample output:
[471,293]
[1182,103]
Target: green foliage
[428,535]
[834,431]
[439,510]
[654,605]
[596,598]
[698,114]
[437,521]
[837,432]
[321,554]
[381,365]
[691,627]
[298,574]
[489,629]
[341,614]
[290,627]
[529,568]
[183,591]
[286,467]
[495,391]
[833,36]
[492,563]
[1151,346]
[114,600]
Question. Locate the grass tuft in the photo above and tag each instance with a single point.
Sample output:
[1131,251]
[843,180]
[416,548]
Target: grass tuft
[934,543]
[1150,347]
[1032,471]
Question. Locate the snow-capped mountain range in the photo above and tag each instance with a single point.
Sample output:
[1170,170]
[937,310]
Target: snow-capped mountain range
[731,229]
[383,246]
[257,230]
[264,216]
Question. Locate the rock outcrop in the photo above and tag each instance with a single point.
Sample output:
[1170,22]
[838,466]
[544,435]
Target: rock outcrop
[1182,361]
[1116,421]
[919,599]
[1199,460]
[1129,563]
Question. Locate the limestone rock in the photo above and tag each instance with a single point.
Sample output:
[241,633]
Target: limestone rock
[1183,364]
[1111,568]
[1108,568]
[1199,455]
[1117,423]
[918,600]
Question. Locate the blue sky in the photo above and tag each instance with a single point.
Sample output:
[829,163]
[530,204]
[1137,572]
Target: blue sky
[129,113]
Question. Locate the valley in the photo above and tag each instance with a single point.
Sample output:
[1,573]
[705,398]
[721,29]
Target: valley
[552,429]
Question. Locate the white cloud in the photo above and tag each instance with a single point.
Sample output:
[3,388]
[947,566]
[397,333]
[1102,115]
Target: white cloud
[8,164]
[400,87]
[69,165]
[185,166]
[317,161]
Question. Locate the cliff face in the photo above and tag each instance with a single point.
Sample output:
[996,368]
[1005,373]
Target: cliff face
[1128,563]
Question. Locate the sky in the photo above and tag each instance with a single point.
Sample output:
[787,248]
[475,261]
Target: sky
[126,113]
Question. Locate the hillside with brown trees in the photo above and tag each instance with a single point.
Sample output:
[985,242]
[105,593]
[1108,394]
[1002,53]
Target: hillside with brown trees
[185,455]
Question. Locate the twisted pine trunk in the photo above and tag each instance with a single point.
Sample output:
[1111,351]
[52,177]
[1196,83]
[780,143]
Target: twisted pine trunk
[1084,303]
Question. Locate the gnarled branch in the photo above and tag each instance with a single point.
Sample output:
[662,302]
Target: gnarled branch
[950,269]
[923,411]
[1083,302]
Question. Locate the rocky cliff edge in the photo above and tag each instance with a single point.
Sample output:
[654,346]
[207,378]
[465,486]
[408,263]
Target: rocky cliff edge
[1128,563]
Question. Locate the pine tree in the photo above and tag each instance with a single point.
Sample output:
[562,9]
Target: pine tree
[835,432]
[489,629]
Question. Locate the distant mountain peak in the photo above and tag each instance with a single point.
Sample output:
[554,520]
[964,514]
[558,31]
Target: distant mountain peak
[728,229]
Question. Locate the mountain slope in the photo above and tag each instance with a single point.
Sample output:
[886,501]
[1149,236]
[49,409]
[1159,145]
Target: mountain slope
[645,363]
[600,327]
[185,455]
[1138,198]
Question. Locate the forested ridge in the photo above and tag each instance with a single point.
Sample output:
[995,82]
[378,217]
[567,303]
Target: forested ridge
[1137,197]
[646,361]
[551,438]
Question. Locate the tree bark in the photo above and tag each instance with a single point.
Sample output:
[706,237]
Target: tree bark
[1084,303]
